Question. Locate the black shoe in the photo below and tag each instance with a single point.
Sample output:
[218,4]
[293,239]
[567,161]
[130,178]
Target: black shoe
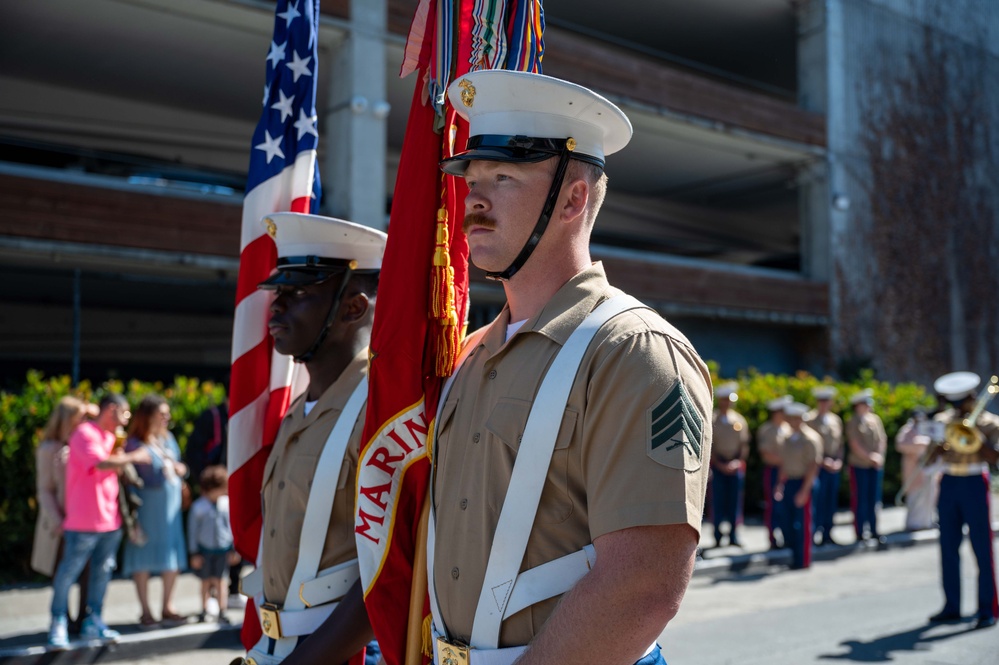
[985,622]
[945,617]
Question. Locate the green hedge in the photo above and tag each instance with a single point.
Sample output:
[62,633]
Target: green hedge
[22,419]
[892,402]
[23,416]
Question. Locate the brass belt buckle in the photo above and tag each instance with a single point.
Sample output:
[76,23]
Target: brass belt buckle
[270,620]
[451,654]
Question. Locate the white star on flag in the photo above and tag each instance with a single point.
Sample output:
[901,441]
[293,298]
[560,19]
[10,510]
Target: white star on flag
[271,146]
[299,66]
[276,54]
[306,124]
[284,105]
[267,94]
[290,15]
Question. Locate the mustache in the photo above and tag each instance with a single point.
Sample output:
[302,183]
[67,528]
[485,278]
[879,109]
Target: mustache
[477,219]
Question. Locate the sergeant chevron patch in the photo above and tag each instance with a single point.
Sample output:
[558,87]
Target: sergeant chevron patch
[675,430]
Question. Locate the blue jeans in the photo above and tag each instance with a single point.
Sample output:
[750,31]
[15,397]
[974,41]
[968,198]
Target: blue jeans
[79,547]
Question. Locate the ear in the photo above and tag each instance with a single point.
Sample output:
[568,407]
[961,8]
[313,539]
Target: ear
[576,195]
[355,307]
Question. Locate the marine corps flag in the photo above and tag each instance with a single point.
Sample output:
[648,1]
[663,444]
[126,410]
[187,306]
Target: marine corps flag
[283,176]
[422,304]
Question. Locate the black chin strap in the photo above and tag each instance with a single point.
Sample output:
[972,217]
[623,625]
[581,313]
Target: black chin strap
[330,317]
[539,228]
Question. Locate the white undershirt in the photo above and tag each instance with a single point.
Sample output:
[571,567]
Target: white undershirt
[308,406]
[512,328]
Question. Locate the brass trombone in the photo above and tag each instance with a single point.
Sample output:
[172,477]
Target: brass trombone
[960,435]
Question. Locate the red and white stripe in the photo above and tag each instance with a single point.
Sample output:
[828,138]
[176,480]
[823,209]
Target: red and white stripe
[262,383]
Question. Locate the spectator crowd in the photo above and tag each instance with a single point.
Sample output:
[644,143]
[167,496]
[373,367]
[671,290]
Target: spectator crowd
[106,475]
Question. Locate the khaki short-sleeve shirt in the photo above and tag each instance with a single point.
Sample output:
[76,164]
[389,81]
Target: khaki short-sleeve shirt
[770,437]
[619,461]
[830,428]
[730,436]
[289,476]
[870,433]
[800,451]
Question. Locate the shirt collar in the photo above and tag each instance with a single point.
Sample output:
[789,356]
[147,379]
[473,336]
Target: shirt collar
[570,305]
[337,394]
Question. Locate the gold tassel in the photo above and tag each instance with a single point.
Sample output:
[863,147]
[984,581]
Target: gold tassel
[443,310]
[428,639]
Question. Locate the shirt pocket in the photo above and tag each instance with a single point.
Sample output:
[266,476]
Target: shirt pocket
[441,430]
[506,425]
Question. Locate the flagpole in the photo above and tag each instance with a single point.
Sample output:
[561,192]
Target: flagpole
[414,624]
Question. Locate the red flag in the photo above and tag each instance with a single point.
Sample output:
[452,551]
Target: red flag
[393,469]
[422,301]
[283,176]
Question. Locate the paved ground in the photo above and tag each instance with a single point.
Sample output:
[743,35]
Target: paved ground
[866,608]
[24,611]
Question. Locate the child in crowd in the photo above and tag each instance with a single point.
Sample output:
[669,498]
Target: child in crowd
[209,539]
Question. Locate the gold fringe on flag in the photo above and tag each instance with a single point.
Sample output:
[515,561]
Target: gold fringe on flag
[443,311]
[428,638]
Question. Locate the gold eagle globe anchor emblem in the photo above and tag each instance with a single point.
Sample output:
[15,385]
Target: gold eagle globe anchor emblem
[467,92]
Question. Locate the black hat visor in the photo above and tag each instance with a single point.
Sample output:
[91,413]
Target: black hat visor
[502,148]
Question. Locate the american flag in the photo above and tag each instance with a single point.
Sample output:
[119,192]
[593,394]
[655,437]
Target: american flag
[283,176]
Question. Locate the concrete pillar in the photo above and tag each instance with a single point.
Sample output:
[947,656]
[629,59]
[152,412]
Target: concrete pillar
[822,221]
[354,171]
[814,201]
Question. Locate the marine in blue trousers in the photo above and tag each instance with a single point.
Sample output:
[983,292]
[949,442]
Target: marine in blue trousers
[968,448]
[801,456]
[729,451]
[868,443]
[769,440]
[830,427]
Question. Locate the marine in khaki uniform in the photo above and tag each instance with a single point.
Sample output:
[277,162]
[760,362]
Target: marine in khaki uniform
[621,493]
[769,438]
[322,312]
[868,443]
[964,494]
[800,456]
[830,428]
[729,452]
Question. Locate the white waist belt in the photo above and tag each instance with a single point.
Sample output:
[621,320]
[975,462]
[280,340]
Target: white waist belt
[330,584]
[973,469]
[302,622]
[505,656]
[484,656]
